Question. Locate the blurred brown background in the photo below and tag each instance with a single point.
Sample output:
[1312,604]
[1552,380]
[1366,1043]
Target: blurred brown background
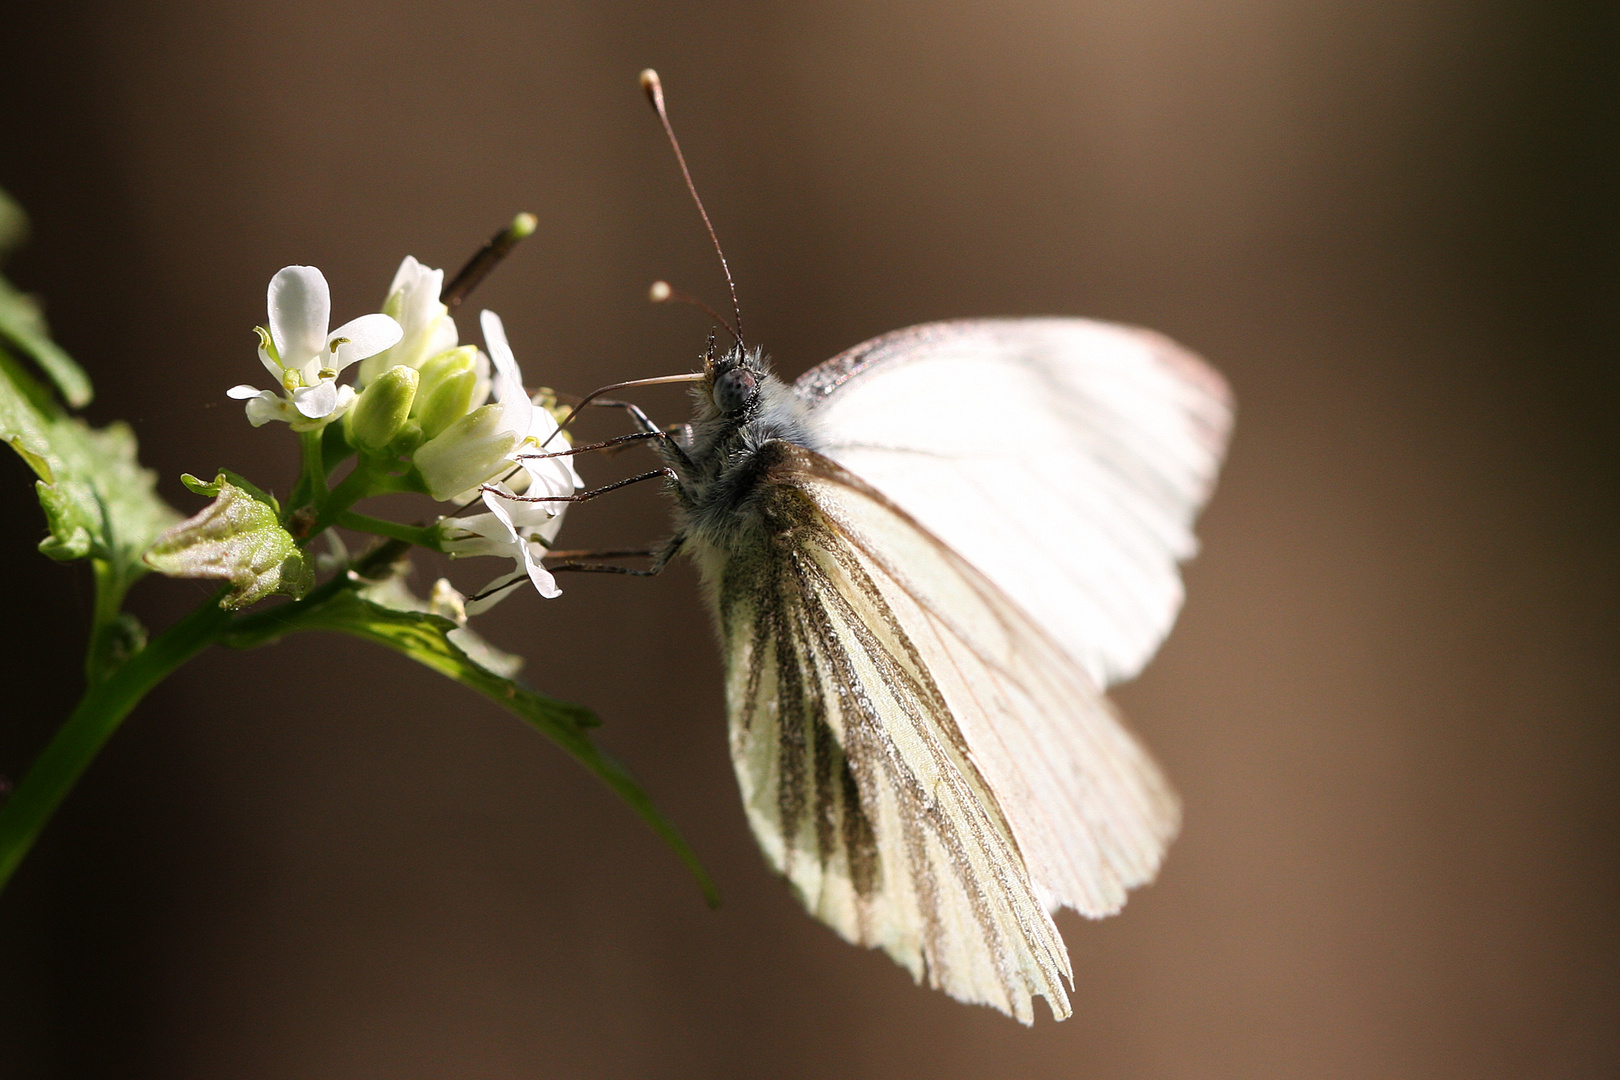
[1391,704]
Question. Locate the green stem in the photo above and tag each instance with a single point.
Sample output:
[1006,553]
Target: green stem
[311,488]
[110,589]
[274,623]
[354,487]
[420,535]
[100,711]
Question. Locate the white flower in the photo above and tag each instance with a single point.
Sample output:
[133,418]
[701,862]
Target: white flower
[428,329]
[304,358]
[498,533]
[540,476]
[510,437]
[494,439]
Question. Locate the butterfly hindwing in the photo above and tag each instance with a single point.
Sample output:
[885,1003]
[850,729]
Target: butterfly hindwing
[1090,811]
[856,778]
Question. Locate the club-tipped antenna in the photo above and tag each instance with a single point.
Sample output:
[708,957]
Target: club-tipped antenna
[662,292]
[655,94]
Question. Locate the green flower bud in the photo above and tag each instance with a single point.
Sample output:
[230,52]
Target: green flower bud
[467,453]
[382,408]
[409,438]
[446,390]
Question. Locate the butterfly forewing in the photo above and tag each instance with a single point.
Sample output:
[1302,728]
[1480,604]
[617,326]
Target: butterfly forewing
[1064,458]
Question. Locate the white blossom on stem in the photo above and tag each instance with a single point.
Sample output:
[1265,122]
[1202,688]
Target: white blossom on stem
[503,453]
[304,357]
[497,532]
[425,322]
[497,441]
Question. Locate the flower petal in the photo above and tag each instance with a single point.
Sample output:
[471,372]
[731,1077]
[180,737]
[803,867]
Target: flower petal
[419,290]
[269,362]
[242,392]
[539,576]
[481,387]
[543,429]
[548,532]
[409,270]
[317,401]
[527,554]
[493,593]
[270,406]
[500,508]
[300,309]
[517,410]
[441,337]
[413,300]
[367,336]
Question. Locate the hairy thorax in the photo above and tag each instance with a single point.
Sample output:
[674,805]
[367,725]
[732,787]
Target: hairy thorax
[724,486]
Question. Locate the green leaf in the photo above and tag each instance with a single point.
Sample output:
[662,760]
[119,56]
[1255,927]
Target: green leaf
[22,326]
[426,638]
[392,592]
[237,538]
[13,224]
[98,501]
[22,323]
[209,489]
[100,491]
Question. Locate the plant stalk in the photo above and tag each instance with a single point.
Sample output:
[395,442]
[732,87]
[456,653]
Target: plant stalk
[110,589]
[99,712]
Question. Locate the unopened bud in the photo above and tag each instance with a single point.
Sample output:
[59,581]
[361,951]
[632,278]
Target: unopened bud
[382,409]
[409,438]
[446,391]
[467,453]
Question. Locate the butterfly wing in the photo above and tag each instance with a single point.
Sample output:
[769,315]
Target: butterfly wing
[892,718]
[1064,458]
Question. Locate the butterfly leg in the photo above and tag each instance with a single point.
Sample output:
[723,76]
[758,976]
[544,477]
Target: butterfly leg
[661,559]
[587,448]
[584,496]
[643,421]
[671,443]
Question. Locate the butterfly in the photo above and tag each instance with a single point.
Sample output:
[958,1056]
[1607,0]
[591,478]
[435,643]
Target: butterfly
[927,559]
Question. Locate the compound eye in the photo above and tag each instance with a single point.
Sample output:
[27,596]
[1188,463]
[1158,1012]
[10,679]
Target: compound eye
[734,390]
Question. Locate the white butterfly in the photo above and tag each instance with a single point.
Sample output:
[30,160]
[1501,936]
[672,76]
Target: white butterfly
[928,557]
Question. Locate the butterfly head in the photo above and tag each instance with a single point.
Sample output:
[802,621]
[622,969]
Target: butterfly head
[733,380]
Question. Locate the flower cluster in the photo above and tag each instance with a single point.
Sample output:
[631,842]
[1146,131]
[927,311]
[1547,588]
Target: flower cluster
[425,414]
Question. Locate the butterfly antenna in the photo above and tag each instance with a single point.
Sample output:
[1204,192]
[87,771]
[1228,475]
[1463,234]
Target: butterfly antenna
[655,94]
[662,292]
[696,376]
